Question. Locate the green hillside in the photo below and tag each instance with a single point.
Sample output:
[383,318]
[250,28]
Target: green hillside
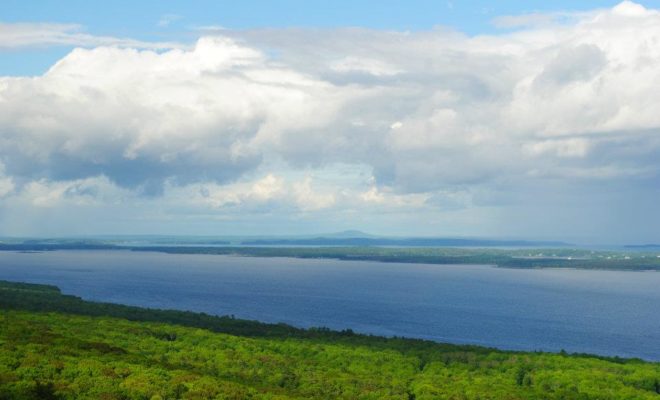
[54,346]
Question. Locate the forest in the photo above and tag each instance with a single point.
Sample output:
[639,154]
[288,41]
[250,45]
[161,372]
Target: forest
[644,259]
[56,346]
[505,258]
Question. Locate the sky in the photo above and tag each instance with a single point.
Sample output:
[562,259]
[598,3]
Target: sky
[531,120]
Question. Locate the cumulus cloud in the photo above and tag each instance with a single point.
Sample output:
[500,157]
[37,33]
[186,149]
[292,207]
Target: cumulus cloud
[140,117]
[264,194]
[464,110]
[433,116]
[92,191]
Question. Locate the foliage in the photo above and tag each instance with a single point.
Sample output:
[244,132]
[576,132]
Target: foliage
[509,258]
[54,354]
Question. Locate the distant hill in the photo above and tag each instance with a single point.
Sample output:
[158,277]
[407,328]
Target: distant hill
[348,234]
[384,241]
[343,238]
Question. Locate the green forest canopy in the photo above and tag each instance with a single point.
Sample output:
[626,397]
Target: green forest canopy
[54,346]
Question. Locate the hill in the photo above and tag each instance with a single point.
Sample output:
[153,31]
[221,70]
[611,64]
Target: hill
[54,346]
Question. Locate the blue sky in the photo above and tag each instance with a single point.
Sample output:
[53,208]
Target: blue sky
[177,20]
[533,120]
[140,18]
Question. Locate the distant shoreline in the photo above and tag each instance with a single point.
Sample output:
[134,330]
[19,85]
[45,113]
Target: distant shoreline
[519,258]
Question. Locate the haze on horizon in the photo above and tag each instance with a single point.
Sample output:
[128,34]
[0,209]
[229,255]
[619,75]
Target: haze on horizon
[454,119]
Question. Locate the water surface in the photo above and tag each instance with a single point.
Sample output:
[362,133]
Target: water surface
[601,312]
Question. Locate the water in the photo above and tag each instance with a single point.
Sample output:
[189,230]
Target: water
[601,312]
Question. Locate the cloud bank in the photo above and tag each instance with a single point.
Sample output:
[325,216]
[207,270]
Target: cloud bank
[311,122]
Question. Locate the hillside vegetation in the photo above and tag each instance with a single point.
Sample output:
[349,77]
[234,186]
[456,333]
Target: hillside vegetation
[505,258]
[54,346]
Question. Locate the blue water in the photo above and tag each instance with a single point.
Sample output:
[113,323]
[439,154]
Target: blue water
[601,312]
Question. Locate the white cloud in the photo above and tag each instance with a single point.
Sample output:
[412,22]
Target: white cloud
[267,188]
[368,66]
[6,186]
[630,9]
[539,20]
[267,193]
[92,191]
[141,117]
[167,19]
[432,116]
[6,183]
[309,199]
[573,147]
[385,197]
[17,35]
